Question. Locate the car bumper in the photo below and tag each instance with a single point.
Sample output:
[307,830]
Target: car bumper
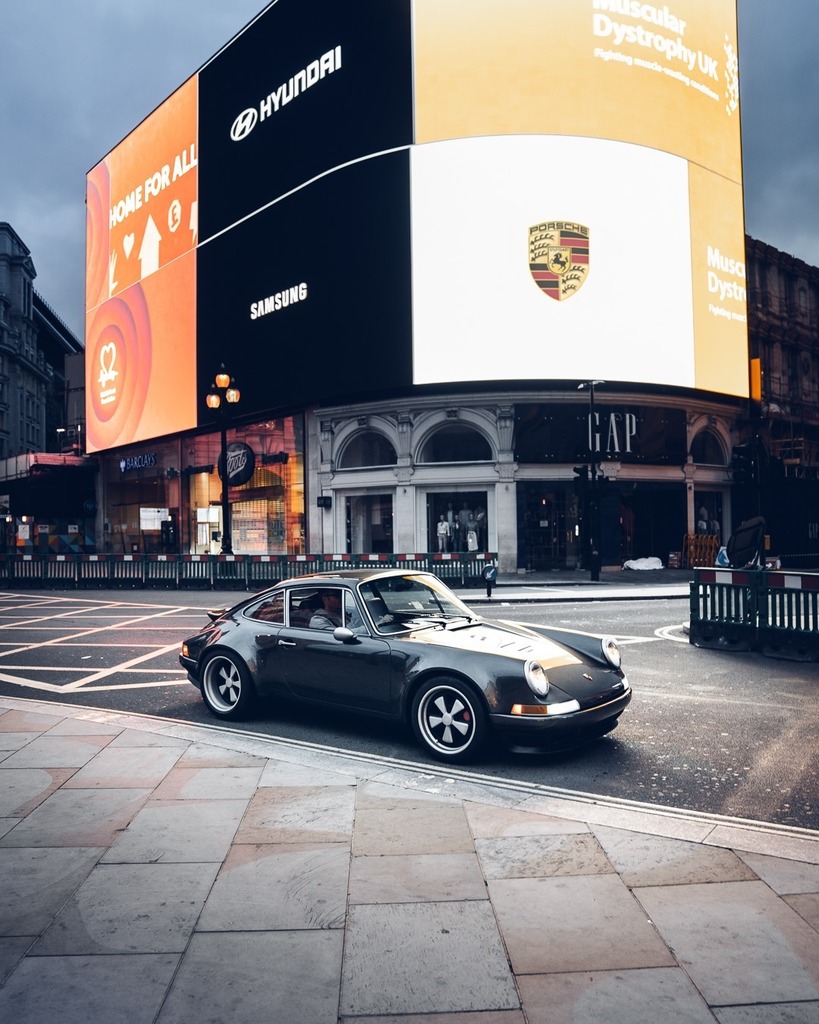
[539,731]
[189,665]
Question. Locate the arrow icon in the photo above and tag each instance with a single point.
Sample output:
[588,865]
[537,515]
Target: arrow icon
[149,249]
[112,269]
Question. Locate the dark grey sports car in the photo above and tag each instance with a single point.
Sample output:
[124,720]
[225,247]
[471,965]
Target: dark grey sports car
[401,645]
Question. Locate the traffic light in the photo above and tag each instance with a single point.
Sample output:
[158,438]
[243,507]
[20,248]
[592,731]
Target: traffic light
[743,464]
[582,474]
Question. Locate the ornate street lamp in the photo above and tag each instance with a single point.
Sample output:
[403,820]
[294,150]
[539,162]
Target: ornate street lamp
[224,393]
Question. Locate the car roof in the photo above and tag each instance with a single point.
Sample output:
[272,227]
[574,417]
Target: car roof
[349,576]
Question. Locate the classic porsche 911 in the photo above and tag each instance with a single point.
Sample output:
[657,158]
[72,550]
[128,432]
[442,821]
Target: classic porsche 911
[402,646]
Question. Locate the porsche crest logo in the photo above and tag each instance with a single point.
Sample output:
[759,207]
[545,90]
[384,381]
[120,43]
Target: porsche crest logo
[559,257]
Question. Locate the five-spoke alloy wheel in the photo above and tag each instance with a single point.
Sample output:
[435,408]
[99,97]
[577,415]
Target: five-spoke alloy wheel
[226,686]
[449,720]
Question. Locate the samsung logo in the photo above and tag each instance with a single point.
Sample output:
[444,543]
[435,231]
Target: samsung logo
[279,300]
[303,80]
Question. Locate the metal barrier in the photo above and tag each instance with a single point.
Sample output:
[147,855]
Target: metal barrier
[723,609]
[789,616]
[26,571]
[126,571]
[776,613]
[194,572]
[161,571]
[93,571]
[462,569]
[213,572]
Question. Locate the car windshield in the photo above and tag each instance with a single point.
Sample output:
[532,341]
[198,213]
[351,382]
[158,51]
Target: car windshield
[399,603]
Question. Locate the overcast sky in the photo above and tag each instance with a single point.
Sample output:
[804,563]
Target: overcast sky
[77,75]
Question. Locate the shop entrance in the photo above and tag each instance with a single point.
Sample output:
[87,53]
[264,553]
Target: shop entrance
[548,527]
[653,521]
[369,524]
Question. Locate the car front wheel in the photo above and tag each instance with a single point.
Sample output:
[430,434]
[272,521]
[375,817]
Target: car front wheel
[227,689]
[449,720]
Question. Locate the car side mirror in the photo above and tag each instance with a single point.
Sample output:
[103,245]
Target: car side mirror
[344,634]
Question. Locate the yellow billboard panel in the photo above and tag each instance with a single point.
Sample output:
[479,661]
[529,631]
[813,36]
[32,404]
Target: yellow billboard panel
[719,284]
[662,76]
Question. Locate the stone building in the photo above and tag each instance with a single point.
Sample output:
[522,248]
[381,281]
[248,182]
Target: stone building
[46,486]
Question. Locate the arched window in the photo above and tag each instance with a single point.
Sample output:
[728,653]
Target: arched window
[368,448]
[456,443]
[707,450]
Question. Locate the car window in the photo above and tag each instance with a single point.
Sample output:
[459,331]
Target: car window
[269,610]
[328,614]
[398,602]
[352,616]
[302,605]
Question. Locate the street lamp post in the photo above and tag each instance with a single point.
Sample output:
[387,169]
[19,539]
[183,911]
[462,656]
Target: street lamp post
[224,393]
[594,489]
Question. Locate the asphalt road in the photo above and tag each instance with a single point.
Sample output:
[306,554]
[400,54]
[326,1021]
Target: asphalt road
[708,731]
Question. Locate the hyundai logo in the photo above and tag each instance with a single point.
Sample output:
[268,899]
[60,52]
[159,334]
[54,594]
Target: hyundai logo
[244,124]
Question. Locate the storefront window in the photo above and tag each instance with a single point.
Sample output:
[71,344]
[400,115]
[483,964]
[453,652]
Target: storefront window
[167,498]
[457,521]
[709,512]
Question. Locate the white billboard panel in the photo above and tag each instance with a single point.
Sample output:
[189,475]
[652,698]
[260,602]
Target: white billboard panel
[479,314]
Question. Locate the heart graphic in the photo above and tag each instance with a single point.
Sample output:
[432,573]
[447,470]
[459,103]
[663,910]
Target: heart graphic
[128,244]
[108,357]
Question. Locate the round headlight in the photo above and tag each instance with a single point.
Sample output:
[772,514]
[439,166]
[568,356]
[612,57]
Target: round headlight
[536,678]
[611,652]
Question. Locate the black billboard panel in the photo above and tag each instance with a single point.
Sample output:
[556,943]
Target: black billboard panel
[309,86]
[311,298]
[627,433]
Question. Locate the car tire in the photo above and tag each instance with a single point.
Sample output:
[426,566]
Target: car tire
[227,688]
[449,720]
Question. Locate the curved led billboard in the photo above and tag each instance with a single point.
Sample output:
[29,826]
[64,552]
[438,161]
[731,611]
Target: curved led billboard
[359,196]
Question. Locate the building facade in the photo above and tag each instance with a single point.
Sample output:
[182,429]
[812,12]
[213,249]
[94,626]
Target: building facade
[780,477]
[379,476]
[47,489]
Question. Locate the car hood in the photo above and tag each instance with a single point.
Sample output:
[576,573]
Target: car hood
[485,638]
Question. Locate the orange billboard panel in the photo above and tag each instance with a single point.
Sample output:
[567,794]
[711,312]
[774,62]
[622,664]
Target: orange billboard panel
[142,224]
[139,359]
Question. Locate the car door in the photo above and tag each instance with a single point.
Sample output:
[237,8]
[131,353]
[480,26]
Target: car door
[266,620]
[317,666]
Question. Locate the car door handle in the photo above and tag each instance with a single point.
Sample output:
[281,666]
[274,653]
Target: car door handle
[287,643]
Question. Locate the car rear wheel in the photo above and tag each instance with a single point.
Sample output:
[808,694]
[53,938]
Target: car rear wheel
[227,689]
[449,720]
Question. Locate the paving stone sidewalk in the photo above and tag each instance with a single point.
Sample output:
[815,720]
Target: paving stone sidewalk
[154,872]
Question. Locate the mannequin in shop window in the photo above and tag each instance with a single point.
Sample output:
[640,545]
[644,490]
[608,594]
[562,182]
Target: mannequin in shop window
[442,532]
[463,525]
[454,531]
[471,535]
[480,527]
